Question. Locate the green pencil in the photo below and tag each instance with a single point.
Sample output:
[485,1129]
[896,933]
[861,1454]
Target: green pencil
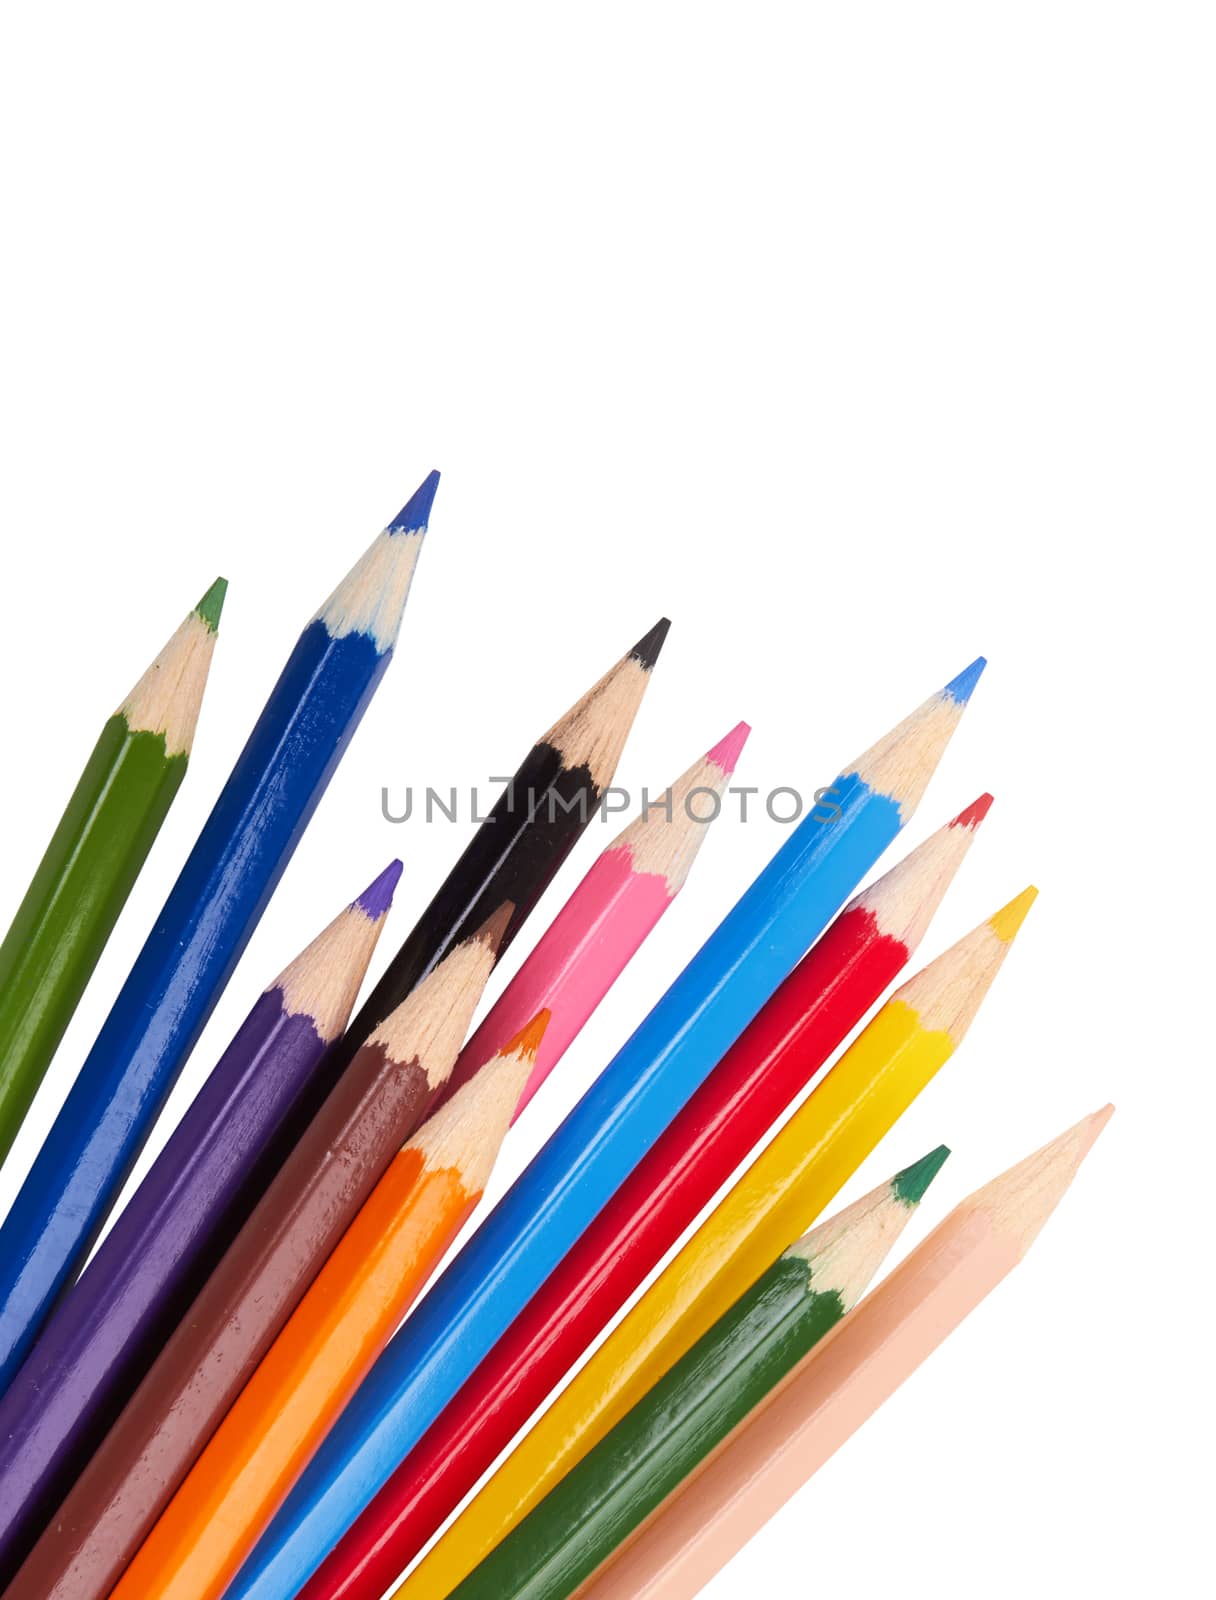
[675,1427]
[94,857]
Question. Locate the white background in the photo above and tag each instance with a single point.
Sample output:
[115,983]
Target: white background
[857,339]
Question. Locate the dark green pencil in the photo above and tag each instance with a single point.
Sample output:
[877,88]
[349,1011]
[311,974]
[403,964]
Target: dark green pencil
[692,1409]
[94,857]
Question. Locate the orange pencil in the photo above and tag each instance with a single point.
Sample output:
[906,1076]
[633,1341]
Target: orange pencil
[335,1334]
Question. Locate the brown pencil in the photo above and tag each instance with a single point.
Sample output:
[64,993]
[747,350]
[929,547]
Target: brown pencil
[331,1339]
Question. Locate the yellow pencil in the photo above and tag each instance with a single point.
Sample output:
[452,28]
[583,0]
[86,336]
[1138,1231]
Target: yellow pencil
[773,1203]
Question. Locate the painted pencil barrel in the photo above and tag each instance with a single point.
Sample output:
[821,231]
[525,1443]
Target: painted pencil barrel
[73,902]
[94,857]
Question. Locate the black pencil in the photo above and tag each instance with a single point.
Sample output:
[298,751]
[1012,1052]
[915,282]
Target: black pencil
[519,848]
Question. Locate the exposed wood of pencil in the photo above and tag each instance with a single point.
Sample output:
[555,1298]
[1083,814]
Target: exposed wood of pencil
[605,921]
[287,1239]
[109,1326]
[796,1031]
[751,1349]
[94,857]
[330,1340]
[851,1108]
[844,1381]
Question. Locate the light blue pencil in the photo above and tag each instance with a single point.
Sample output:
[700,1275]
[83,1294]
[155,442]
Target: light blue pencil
[635,1097]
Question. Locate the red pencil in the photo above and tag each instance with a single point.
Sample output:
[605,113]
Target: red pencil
[823,998]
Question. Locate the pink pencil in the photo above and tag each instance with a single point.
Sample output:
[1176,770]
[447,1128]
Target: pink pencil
[844,1380]
[605,921]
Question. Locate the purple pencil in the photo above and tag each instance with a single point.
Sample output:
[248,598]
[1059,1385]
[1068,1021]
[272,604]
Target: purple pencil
[215,1166]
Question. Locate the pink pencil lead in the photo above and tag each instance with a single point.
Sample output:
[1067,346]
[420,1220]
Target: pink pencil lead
[725,754]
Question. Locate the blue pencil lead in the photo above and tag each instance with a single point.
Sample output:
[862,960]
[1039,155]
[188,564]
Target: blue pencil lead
[415,513]
[961,688]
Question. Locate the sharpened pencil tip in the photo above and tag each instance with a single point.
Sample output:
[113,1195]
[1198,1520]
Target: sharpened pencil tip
[493,929]
[212,603]
[1019,1201]
[1098,1119]
[416,512]
[974,814]
[527,1041]
[962,687]
[725,754]
[378,896]
[1006,922]
[647,649]
[909,1186]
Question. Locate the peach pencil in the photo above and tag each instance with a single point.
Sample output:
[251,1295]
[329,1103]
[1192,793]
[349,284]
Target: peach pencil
[843,1382]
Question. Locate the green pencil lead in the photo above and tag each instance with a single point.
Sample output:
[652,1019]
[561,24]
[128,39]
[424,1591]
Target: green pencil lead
[212,603]
[909,1185]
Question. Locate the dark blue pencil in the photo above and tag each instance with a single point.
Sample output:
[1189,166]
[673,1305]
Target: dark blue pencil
[203,928]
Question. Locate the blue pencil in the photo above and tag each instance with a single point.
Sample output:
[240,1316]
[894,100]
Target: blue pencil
[750,952]
[203,928]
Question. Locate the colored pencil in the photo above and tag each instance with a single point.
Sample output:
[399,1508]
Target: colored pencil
[331,1339]
[777,1198]
[94,857]
[829,991]
[532,828]
[103,1334]
[670,1432]
[603,1138]
[203,928]
[844,1381]
[260,1280]
[605,921]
